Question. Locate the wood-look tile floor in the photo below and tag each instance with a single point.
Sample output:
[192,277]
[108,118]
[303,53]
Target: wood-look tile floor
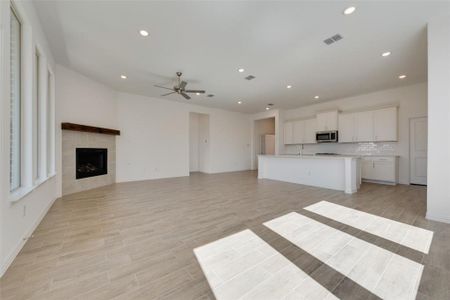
[135,240]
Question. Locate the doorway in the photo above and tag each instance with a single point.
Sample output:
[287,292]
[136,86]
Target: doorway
[264,138]
[198,142]
[418,146]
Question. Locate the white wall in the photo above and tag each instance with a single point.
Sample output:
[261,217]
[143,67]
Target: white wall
[84,101]
[19,219]
[154,141]
[411,101]
[438,201]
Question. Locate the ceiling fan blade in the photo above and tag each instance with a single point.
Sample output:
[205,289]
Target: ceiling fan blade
[182,85]
[186,96]
[195,91]
[168,93]
[163,87]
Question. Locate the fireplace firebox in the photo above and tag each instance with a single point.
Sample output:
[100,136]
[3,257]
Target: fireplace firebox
[91,162]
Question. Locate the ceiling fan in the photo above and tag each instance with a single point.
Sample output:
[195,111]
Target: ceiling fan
[180,88]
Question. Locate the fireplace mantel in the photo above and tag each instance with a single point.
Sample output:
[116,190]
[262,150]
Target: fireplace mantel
[86,128]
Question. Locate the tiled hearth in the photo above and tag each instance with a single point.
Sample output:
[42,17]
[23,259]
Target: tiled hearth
[71,140]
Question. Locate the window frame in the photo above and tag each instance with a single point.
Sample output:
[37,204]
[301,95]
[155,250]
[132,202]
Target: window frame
[12,10]
[47,150]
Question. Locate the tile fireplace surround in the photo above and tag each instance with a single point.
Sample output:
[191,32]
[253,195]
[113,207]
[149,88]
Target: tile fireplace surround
[81,139]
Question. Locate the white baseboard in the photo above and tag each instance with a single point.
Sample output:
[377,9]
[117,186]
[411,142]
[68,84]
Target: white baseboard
[10,258]
[443,219]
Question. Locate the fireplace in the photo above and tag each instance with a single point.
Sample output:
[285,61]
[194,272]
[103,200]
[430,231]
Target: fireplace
[91,162]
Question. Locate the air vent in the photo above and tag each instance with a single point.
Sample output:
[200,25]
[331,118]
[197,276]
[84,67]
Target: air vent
[333,39]
[250,77]
[210,95]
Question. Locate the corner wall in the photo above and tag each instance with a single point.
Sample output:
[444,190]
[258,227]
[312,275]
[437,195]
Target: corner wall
[154,140]
[438,200]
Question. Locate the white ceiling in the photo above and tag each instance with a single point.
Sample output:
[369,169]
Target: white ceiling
[280,43]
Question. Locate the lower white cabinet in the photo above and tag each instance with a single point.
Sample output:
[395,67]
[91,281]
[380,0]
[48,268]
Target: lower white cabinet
[382,169]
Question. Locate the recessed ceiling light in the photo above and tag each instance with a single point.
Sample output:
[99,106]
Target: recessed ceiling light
[289,86]
[267,108]
[143,32]
[402,76]
[387,53]
[349,10]
[316,97]
[239,102]
[240,70]
[198,94]
[123,76]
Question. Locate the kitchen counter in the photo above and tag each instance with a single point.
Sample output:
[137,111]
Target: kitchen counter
[318,156]
[337,172]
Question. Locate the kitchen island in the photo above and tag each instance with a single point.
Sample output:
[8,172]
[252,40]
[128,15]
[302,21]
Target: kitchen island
[335,172]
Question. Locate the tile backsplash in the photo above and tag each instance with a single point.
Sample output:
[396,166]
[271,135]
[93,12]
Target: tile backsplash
[369,148]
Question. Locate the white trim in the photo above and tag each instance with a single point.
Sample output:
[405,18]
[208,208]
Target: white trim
[20,193]
[13,254]
[438,218]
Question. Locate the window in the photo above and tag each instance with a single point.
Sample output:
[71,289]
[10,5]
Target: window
[36,118]
[50,135]
[15,101]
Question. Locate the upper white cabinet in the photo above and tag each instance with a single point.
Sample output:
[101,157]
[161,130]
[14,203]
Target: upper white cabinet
[385,124]
[347,129]
[300,132]
[288,133]
[310,131]
[327,121]
[368,126]
[364,126]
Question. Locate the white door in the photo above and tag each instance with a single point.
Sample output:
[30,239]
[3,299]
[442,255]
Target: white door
[418,133]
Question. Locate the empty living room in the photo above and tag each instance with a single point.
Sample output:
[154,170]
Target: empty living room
[227,150]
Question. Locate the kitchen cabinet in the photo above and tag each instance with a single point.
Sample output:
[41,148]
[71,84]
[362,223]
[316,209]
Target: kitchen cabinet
[298,132]
[347,128]
[364,126]
[368,126]
[385,124]
[288,133]
[381,169]
[327,121]
[310,131]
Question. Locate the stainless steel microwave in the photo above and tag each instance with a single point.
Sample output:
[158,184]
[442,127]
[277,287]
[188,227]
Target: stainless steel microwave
[327,136]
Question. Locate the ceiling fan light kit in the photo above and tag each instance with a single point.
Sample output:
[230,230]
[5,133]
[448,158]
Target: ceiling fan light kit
[180,88]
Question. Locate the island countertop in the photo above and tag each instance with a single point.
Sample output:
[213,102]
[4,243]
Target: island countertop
[337,172]
[308,156]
